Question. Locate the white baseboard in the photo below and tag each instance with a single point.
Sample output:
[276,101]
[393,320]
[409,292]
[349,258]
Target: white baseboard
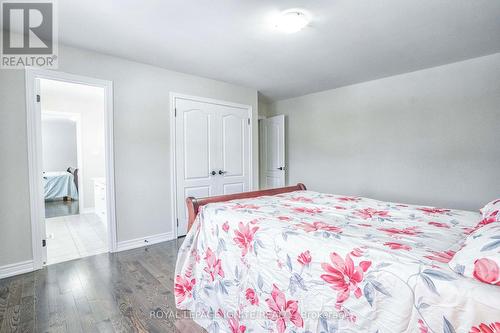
[144,241]
[16,268]
[28,266]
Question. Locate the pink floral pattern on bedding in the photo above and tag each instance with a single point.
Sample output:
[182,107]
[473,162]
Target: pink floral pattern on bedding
[487,271]
[344,276]
[485,328]
[307,262]
[490,213]
[283,311]
[479,258]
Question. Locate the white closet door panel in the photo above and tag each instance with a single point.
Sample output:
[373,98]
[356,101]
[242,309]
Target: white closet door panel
[197,137]
[194,155]
[210,137]
[198,191]
[233,145]
[231,188]
[235,149]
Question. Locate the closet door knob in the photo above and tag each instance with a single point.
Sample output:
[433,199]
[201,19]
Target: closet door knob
[222,172]
[213,173]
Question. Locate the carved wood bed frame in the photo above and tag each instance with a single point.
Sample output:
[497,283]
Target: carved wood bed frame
[194,204]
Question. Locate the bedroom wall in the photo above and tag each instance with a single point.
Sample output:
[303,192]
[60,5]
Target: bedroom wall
[141,144]
[263,111]
[59,145]
[15,235]
[427,137]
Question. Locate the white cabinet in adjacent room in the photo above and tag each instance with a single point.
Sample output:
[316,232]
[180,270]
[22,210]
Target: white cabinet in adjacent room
[100,198]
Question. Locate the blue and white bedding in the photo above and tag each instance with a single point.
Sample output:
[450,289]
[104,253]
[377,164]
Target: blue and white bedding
[59,184]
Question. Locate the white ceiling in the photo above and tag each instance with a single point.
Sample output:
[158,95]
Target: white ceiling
[348,41]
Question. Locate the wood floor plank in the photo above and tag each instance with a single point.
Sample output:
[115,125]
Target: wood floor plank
[88,323]
[123,295]
[27,314]
[67,310]
[41,301]
[146,293]
[4,296]
[82,306]
[11,320]
[28,285]
[104,293]
[15,292]
[106,326]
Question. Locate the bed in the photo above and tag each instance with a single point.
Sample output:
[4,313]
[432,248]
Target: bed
[292,260]
[61,184]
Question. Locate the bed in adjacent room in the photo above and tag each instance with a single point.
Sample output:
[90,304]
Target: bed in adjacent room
[61,184]
[302,261]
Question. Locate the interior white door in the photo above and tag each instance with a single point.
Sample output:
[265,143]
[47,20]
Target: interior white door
[274,142]
[234,174]
[195,155]
[212,152]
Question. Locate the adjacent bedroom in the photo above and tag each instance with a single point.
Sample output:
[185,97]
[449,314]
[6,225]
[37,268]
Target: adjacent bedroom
[291,166]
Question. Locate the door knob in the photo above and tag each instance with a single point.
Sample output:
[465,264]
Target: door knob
[222,172]
[281,168]
[213,173]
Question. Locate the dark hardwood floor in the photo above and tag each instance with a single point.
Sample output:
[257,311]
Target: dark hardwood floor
[57,208]
[104,293]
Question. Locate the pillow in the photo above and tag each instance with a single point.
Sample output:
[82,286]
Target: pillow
[490,213]
[479,258]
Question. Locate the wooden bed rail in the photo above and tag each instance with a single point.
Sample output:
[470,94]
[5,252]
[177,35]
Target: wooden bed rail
[194,204]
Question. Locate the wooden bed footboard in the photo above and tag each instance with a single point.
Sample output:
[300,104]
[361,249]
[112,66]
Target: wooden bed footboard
[194,204]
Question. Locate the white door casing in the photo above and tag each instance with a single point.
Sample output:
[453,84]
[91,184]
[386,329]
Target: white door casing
[39,197]
[212,151]
[274,145]
[33,120]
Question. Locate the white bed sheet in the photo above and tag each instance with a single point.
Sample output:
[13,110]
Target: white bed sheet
[59,184]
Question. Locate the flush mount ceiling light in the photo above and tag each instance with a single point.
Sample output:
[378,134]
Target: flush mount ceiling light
[292,20]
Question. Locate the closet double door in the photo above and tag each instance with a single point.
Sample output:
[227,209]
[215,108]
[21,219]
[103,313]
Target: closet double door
[212,151]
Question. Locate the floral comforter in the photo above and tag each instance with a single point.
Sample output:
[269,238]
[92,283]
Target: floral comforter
[312,262]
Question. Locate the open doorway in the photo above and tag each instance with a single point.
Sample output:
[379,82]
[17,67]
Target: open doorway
[62,159]
[73,169]
[70,131]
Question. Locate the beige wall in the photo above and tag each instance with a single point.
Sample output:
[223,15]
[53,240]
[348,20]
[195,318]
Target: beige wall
[141,144]
[264,106]
[428,137]
[15,233]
